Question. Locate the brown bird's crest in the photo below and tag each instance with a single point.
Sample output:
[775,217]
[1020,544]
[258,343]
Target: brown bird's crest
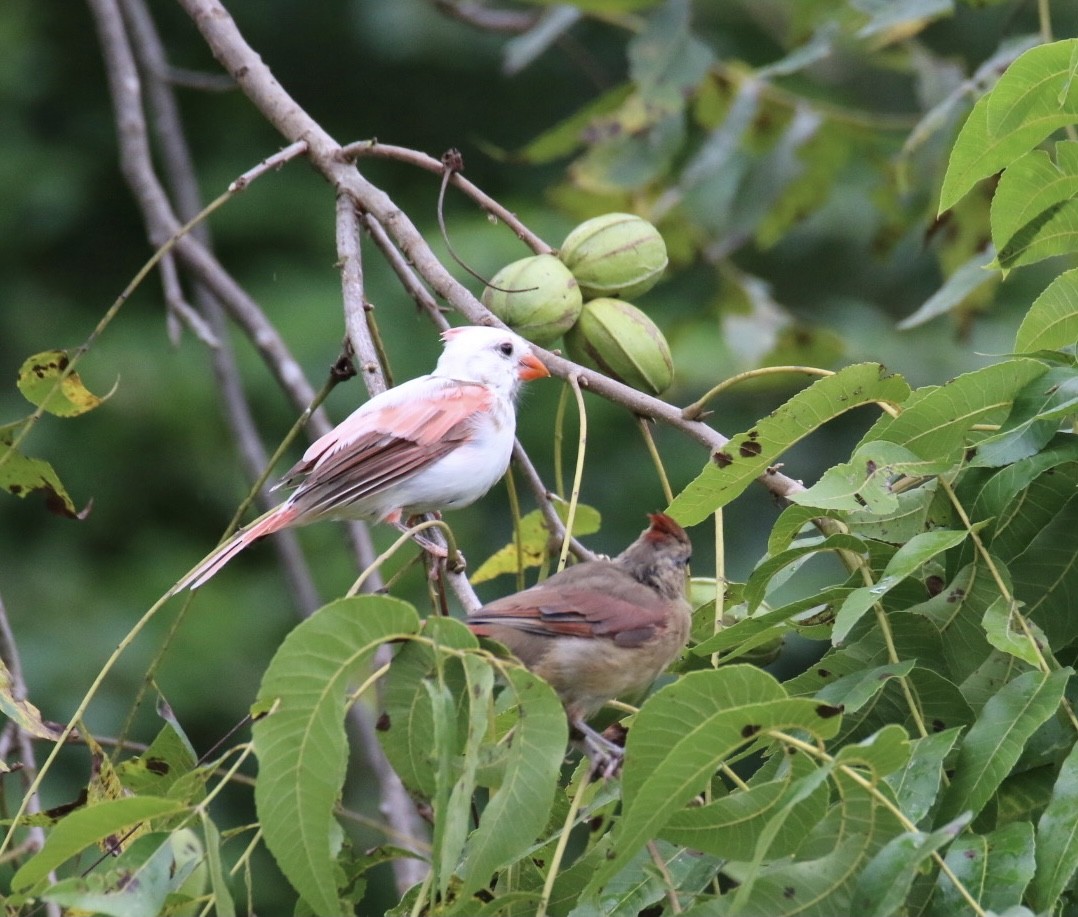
[662,527]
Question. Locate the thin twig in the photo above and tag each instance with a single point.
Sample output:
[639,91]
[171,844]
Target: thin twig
[372,148]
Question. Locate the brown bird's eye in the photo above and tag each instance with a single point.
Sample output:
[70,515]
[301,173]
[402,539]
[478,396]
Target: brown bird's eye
[506,348]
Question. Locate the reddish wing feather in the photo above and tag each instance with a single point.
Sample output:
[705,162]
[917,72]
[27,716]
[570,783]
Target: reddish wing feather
[407,435]
[622,610]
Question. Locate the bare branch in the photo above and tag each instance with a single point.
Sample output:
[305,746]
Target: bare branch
[284,113]
[180,310]
[396,806]
[376,150]
[161,222]
[350,261]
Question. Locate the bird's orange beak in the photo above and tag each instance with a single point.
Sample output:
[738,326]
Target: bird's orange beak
[532,368]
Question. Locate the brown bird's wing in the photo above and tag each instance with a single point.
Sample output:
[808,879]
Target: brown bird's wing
[592,599]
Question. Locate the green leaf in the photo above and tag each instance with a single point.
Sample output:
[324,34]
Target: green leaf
[169,758]
[908,559]
[567,136]
[40,383]
[301,744]
[805,886]
[458,764]
[1057,838]
[748,455]
[520,806]
[997,623]
[88,826]
[666,61]
[222,897]
[916,785]
[853,691]
[1052,321]
[680,735]
[867,481]
[769,569]
[21,712]
[967,278]
[995,741]
[1045,574]
[1035,89]
[1029,188]
[21,475]
[1021,110]
[408,722]
[731,827]
[890,20]
[882,752]
[1034,419]
[1021,499]
[885,881]
[935,420]
[135,884]
[995,868]
[531,548]
[1053,232]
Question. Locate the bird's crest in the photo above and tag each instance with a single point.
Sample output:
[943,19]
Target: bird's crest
[663,527]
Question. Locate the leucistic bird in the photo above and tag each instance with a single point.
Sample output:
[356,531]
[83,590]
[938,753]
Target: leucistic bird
[438,441]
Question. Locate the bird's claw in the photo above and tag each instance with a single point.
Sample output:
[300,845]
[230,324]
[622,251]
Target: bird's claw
[606,757]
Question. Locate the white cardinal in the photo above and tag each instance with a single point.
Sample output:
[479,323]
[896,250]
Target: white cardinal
[436,442]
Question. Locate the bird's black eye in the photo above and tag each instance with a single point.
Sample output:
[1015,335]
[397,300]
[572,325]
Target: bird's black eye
[506,348]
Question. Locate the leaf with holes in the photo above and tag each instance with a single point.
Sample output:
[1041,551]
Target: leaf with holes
[749,454]
[43,383]
[684,731]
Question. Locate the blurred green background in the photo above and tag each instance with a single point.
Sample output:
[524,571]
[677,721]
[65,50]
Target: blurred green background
[156,459]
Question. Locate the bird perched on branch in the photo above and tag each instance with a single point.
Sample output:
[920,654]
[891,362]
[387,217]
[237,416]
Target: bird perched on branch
[601,628]
[435,442]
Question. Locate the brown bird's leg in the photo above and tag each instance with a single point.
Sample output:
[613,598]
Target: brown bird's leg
[605,756]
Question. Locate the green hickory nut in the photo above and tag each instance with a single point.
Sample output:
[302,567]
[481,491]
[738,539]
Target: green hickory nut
[616,254]
[619,340]
[538,297]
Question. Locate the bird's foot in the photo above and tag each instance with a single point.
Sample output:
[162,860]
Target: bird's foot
[435,546]
[606,756]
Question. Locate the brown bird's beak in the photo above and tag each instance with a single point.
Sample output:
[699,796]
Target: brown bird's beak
[532,368]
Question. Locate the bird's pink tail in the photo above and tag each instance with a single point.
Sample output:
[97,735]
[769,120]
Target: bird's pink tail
[273,521]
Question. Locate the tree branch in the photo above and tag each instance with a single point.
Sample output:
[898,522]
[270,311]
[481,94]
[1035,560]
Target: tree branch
[284,113]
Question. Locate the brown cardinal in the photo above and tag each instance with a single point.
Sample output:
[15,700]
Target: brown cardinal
[435,442]
[601,628]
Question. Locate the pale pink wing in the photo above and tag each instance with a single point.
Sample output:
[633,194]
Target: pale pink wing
[377,448]
[593,599]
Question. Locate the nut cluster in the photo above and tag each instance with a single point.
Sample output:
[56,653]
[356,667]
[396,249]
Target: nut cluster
[583,294]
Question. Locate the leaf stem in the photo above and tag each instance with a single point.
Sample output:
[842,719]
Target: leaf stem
[671,888]
[563,842]
[578,474]
[649,441]
[396,546]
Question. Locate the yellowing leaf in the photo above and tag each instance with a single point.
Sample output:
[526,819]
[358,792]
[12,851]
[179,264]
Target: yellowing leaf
[533,543]
[42,382]
[21,475]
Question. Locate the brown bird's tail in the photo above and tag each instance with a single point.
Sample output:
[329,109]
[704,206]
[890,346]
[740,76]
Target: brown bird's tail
[273,521]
